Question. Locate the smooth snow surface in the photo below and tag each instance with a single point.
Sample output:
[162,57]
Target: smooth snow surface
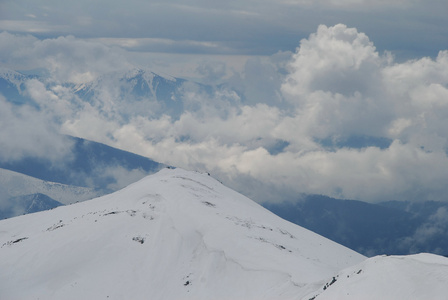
[411,277]
[173,235]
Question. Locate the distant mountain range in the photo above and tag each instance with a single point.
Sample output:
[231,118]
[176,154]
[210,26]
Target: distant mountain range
[22,194]
[120,92]
[135,88]
[392,227]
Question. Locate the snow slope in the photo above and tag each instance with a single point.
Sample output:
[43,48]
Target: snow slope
[172,235]
[412,277]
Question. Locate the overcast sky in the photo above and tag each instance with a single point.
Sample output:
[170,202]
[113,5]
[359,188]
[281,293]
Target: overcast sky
[306,77]
[407,28]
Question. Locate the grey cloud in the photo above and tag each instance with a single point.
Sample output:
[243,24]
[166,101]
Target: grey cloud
[432,232]
[66,58]
[169,45]
[28,132]
[260,82]
[237,27]
[12,48]
[106,178]
[402,171]
[212,71]
[293,99]
[75,60]
[120,177]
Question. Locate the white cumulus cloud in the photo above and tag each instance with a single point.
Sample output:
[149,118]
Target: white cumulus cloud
[282,126]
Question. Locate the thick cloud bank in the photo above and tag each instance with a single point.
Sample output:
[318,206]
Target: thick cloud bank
[335,118]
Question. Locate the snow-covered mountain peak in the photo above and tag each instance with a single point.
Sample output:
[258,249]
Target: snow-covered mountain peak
[137,72]
[130,75]
[132,84]
[172,235]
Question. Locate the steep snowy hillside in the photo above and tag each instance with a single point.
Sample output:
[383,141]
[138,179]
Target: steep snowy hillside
[172,235]
[413,277]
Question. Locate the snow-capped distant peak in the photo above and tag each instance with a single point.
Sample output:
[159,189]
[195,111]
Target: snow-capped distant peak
[16,184]
[14,77]
[149,74]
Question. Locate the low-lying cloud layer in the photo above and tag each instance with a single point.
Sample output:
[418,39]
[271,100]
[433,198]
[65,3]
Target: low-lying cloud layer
[285,125]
